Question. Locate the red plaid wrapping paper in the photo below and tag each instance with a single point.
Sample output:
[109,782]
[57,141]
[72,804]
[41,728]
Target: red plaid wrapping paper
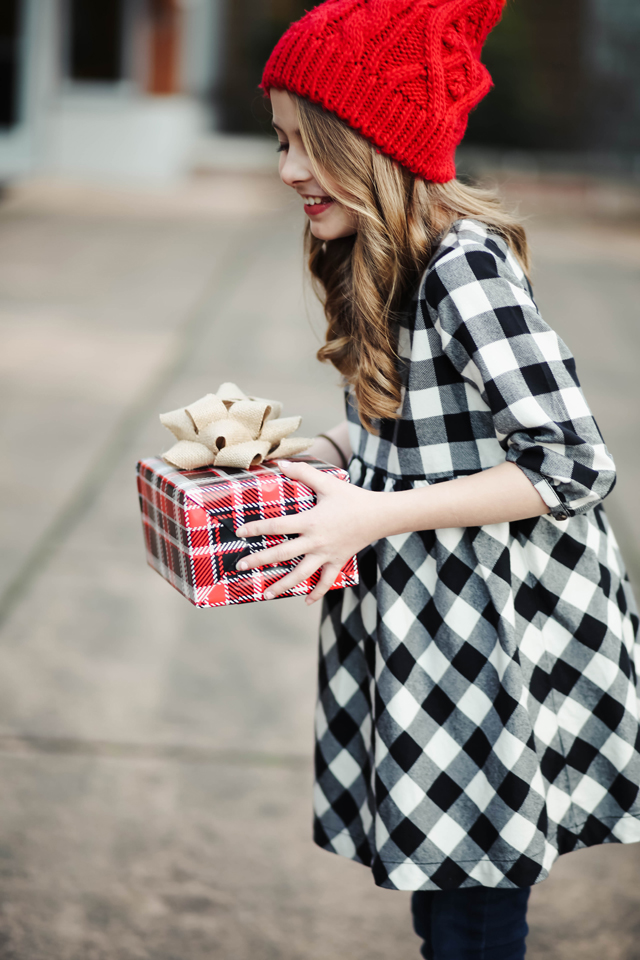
[189,519]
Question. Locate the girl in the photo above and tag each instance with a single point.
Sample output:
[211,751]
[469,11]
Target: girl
[477,710]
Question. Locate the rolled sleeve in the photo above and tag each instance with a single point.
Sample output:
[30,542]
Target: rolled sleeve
[492,332]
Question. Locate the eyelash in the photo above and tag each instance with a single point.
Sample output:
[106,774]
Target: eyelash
[283,146]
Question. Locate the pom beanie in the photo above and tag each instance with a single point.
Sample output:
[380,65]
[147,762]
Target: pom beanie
[403,73]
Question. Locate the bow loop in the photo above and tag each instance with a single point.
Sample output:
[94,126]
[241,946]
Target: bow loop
[230,429]
[180,424]
[222,432]
[204,410]
[251,414]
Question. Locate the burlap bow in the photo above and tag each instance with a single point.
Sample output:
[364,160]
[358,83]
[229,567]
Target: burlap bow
[229,429]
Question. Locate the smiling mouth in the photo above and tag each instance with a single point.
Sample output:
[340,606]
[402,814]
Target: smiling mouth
[316,201]
[313,206]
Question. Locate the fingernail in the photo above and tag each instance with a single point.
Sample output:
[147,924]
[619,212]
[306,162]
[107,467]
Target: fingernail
[268,595]
[240,532]
[241,566]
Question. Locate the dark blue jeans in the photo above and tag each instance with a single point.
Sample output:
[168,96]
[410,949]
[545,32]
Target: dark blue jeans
[475,923]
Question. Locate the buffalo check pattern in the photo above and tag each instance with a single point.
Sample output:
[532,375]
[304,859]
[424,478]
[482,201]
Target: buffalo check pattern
[478,708]
[189,519]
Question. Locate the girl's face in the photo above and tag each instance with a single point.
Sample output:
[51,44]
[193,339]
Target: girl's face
[329,219]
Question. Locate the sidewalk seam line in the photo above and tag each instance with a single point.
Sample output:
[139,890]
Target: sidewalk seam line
[34,745]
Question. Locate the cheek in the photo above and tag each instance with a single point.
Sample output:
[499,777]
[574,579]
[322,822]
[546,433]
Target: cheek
[347,217]
[343,222]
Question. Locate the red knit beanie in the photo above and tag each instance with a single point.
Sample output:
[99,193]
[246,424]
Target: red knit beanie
[403,73]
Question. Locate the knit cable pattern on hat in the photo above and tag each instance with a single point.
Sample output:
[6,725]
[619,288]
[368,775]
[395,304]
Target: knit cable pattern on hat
[403,73]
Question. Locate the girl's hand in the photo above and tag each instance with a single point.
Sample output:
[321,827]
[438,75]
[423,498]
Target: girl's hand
[342,523]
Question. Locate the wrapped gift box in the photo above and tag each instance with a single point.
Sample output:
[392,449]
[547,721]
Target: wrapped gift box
[189,518]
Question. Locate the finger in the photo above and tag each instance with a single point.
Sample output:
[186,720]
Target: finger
[303,472]
[278,554]
[277,526]
[330,572]
[302,571]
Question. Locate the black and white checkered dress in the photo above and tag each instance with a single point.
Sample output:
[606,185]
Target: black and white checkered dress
[478,712]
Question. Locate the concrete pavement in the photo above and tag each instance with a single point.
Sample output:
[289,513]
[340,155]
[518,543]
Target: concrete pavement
[154,758]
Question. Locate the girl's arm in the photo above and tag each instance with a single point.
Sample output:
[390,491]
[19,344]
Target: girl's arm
[323,450]
[347,518]
[497,495]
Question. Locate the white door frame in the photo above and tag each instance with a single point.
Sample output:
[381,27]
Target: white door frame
[19,146]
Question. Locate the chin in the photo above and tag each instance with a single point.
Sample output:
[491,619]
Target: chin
[327,231]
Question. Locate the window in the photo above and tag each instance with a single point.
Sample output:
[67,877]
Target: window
[95,40]
[10,22]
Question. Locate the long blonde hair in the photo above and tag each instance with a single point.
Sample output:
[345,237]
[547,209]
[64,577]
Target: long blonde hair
[363,280]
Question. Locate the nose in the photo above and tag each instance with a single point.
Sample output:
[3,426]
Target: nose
[293,169]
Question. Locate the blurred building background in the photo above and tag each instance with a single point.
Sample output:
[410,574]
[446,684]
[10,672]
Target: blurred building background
[115,88]
[567,81]
[147,89]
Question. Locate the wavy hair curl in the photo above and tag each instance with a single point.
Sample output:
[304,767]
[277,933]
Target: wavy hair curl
[364,280]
